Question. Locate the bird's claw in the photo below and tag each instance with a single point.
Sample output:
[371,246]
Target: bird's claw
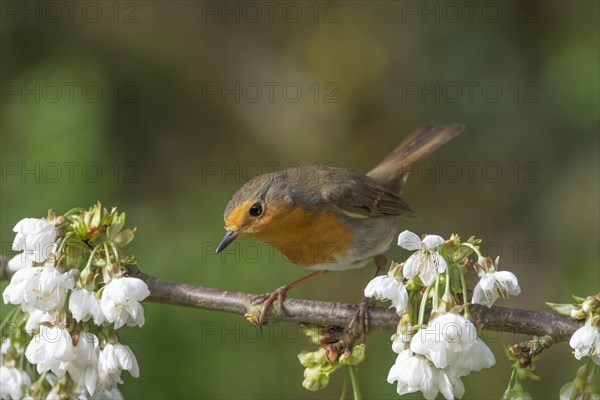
[360,321]
[269,298]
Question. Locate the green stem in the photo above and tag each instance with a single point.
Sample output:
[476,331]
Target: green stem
[410,312]
[436,294]
[92,254]
[64,241]
[413,305]
[423,305]
[483,265]
[474,248]
[354,380]
[447,288]
[88,266]
[344,384]
[74,210]
[115,251]
[591,366]
[463,285]
[106,254]
[22,360]
[512,377]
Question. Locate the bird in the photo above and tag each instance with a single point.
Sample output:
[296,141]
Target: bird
[328,218]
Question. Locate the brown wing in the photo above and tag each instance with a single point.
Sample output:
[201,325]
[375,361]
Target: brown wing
[361,195]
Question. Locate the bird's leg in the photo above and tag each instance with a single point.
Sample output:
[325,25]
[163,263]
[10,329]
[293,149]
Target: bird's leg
[361,318]
[279,294]
[380,263]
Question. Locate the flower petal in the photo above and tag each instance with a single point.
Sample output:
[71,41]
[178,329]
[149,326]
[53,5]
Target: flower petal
[583,341]
[440,262]
[20,261]
[431,242]
[374,287]
[400,299]
[510,280]
[485,298]
[411,266]
[409,241]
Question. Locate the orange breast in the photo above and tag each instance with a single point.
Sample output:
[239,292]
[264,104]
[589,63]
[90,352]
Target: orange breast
[306,238]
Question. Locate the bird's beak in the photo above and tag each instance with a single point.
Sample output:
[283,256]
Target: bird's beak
[227,239]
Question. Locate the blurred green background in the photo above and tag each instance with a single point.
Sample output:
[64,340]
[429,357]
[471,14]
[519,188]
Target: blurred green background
[165,108]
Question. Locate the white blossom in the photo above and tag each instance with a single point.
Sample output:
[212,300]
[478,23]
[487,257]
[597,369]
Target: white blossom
[21,260]
[37,317]
[450,340]
[450,384]
[445,338]
[51,349]
[414,373]
[387,287]
[84,368]
[12,381]
[35,237]
[477,358]
[586,342]
[15,292]
[113,359]
[493,285]
[39,288]
[400,342]
[120,301]
[426,261]
[84,305]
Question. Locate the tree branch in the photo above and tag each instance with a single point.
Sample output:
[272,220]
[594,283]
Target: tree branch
[558,327]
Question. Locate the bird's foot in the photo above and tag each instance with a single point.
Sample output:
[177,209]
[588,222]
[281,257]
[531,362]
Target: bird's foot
[359,326]
[269,298]
[279,294]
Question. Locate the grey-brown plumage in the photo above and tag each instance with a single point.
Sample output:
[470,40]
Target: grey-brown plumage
[365,206]
[375,194]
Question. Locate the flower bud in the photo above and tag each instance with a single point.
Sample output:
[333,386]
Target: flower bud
[116,224]
[315,379]
[311,384]
[125,237]
[590,304]
[516,393]
[396,270]
[312,358]
[578,313]
[331,353]
[313,333]
[306,358]
[354,357]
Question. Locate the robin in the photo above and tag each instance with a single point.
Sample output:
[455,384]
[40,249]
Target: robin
[326,218]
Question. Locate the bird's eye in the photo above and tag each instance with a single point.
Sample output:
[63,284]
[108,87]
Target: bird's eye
[256,210]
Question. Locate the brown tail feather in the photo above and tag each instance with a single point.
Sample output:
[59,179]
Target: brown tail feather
[392,171]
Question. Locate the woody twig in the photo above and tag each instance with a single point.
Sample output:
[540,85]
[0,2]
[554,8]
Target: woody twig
[500,319]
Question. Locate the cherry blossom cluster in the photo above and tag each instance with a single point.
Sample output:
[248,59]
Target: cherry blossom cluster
[585,343]
[73,296]
[436,342]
